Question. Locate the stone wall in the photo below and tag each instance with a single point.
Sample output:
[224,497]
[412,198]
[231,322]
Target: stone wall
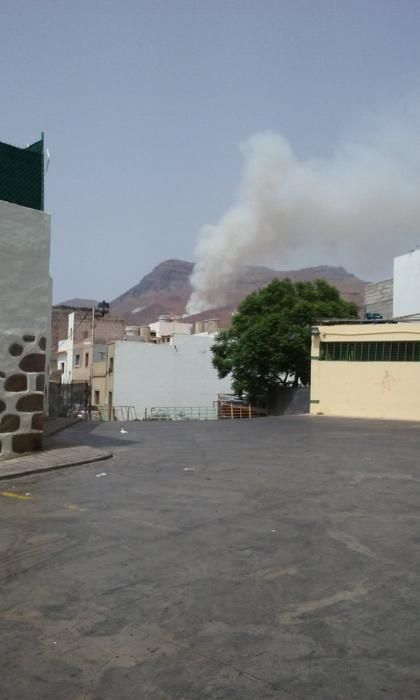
[22,380]
[25,293]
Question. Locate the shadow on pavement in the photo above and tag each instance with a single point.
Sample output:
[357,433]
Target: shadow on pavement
[89,433]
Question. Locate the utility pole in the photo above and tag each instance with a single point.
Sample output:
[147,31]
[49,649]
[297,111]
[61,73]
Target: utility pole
[92,340]
[103,308]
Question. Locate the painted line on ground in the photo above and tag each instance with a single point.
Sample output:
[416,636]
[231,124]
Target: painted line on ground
[10,494]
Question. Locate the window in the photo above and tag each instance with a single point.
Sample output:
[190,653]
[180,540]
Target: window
[62,367]
[85,335]
[97,401]
[102,356]
[86,359]
[77,361]
[111,365]
[371,351]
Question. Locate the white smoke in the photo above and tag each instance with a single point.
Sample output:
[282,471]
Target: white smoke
[363,203]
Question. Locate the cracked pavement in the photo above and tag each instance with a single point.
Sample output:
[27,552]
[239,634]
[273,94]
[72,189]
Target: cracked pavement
[275,558]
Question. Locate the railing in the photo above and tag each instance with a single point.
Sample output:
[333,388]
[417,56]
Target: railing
[233,409]
[120,413]
[220,409]
[159,413]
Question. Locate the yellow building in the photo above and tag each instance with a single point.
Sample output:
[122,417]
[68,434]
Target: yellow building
[366,370]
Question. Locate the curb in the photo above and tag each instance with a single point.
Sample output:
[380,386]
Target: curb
[56,467]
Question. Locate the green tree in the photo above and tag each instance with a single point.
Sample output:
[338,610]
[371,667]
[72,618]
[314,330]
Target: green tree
[269,341]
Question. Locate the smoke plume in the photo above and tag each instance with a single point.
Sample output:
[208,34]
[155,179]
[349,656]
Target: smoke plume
[363,203]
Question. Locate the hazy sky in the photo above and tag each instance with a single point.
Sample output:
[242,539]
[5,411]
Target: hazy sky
[144,104]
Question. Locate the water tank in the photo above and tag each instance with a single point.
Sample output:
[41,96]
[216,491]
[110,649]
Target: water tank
[164,317]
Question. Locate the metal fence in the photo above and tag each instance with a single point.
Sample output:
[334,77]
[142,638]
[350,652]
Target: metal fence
[159,413]
[120,413]
[221,409]
[229,409]
[68,399]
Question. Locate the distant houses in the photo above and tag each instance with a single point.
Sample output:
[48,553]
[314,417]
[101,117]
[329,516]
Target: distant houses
[164,365]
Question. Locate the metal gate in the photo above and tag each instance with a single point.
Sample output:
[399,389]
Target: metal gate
[68,399]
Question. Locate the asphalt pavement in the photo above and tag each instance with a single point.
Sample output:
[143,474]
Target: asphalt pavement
[274,558]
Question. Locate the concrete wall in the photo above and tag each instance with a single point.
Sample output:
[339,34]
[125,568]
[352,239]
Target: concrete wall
[24,326]
[284,401]
[366,389]
[177,374]
[379,298]
[407,284]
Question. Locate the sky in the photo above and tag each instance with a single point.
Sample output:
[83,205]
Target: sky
[144,106]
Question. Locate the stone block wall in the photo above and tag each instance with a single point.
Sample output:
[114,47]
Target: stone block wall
[22,378]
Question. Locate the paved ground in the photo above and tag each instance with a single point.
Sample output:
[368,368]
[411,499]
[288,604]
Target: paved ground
[54,455]
[55,424]
[276,559]
[51,458]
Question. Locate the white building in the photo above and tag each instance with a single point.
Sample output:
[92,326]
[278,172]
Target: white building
[378,298]
[177,374]
[167,326]
[65,352]
[407,284]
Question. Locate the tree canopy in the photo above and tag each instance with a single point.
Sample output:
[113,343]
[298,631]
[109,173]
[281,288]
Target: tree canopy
[269,341]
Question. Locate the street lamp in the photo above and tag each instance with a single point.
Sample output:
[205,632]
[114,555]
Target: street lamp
[103,308]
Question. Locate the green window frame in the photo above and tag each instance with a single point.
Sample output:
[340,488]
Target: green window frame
[371,351]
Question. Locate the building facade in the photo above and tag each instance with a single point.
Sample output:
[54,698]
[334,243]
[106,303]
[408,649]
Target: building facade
[74,354]
[366,370]
[25,293]
[166,327]
[407,284]
[144,375]
[378,298]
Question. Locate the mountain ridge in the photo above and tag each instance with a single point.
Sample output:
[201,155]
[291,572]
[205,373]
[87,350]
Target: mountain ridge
[166,289]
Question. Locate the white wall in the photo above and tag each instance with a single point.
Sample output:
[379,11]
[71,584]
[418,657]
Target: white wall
[407,284]
[177,374]
[66,351]
[25,291]
[24,267]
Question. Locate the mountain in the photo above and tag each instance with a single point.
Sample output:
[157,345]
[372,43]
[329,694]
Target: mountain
[77,303]
[167,288]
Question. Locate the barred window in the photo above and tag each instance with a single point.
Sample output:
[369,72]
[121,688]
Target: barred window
[371,351]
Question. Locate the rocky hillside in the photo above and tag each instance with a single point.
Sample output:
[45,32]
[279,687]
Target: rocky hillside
[166,290]
[78,303]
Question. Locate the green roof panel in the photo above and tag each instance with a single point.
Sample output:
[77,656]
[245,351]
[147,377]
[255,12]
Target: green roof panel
[22,174]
